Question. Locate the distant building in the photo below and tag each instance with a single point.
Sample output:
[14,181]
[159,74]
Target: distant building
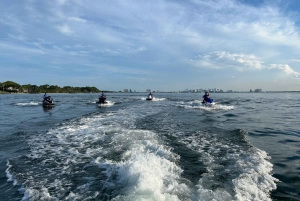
[148,90]
[125,90]
[257,90]
[12,89]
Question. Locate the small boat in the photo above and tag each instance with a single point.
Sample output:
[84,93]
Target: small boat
[149,99]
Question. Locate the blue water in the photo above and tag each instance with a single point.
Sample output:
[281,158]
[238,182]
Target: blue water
[245,147]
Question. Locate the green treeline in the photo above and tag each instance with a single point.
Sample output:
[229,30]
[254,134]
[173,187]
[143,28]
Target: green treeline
[12,87]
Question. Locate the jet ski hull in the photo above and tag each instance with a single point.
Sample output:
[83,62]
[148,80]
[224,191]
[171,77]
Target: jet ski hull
[46,104]
[101,102]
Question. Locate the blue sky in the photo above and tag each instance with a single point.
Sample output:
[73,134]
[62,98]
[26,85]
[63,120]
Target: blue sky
[152,44]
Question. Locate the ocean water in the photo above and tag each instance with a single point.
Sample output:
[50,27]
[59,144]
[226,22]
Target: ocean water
[245,147]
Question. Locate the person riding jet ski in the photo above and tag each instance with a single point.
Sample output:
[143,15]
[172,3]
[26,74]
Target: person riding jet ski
[47,99]
[206,98]
[102,98]
[150,96]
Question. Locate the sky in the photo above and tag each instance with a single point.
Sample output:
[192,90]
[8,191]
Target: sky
[165,45]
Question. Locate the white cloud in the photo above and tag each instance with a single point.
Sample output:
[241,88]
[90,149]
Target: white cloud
[240,62]
[227,60]
[17,37]
[77,19]
[12,21]
[64,29]
[13,50]
[61,2]
[141,49]
[108,51]
[285,68]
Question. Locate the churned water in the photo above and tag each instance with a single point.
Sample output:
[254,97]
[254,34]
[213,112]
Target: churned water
[245,147]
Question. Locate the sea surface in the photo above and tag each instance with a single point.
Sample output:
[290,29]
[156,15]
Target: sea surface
[245,147]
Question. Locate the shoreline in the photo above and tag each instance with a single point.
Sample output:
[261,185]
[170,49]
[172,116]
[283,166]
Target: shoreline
[5,93]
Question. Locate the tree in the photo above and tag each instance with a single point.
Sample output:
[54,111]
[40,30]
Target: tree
[10,86]
[15,87]
[44,88]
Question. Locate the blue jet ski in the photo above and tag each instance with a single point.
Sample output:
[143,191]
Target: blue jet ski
[208,102]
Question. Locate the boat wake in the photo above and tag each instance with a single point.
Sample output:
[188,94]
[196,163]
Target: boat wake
[107,156]
[27,104]
[158,99]
[107,104]
[209,107]
[243,172]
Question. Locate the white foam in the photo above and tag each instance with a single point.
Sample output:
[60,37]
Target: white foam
[216,106]
[108,104]
[250,170]
[10,176]
[197,104]
[33,194]
[27,104]
[147,170]
[153,99]
[255,181]
[137,164]
[158,99]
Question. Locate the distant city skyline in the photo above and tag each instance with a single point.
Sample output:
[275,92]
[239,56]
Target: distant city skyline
[13,87]
[191,91]
[166,45]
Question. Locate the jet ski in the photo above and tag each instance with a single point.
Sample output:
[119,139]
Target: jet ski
[48,102]
[150,97]
[208,103]
[102,101]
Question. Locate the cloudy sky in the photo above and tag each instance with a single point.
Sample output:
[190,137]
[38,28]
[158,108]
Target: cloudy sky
[152,44]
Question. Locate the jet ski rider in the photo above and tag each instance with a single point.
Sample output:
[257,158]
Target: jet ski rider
[47,98]
[102,98]
[206,98]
